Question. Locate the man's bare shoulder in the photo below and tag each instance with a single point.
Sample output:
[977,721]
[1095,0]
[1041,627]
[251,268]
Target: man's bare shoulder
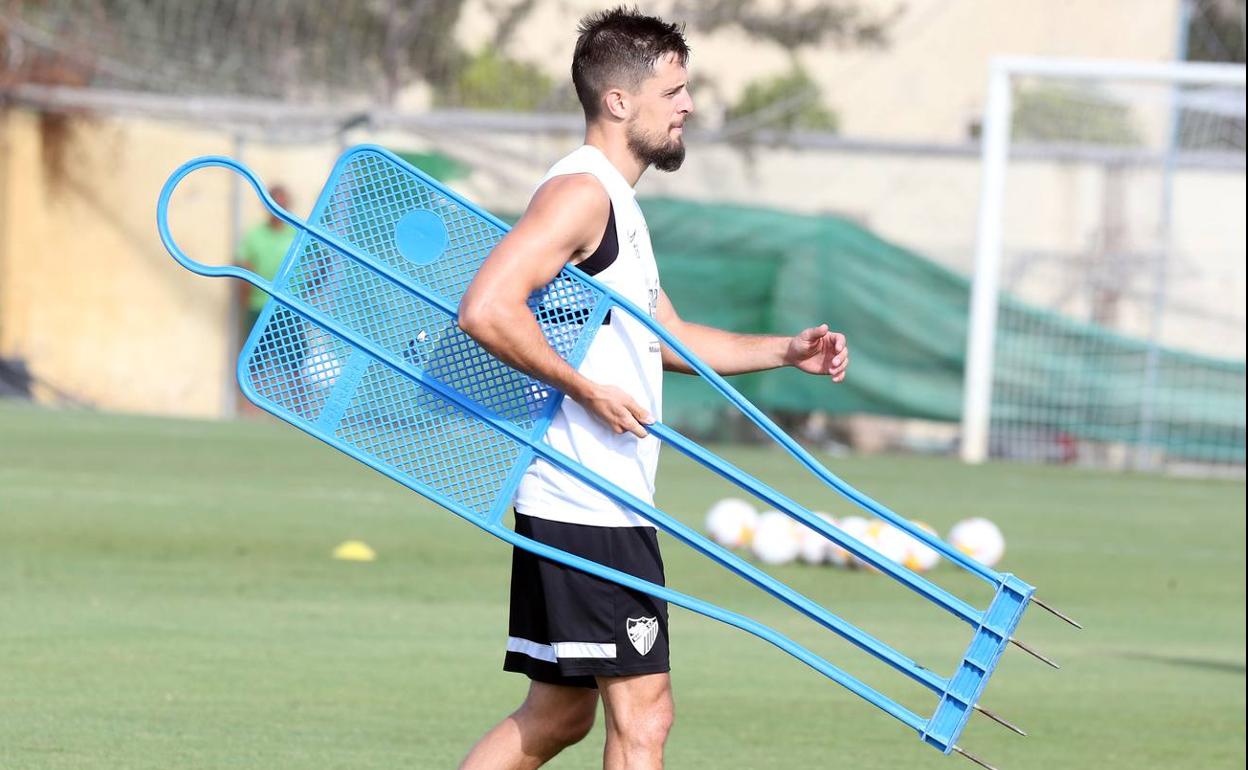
[568,212]
[581,194]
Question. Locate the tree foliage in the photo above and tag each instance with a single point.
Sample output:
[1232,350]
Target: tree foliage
[490,80]
[361,50]
[789,101]
[791,25]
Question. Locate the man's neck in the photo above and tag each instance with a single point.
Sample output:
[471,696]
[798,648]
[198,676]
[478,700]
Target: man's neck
[614,145]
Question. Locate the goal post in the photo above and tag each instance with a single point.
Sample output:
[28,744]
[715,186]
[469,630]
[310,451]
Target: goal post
[1100,147]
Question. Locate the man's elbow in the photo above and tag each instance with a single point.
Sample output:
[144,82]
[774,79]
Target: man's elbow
[473,318]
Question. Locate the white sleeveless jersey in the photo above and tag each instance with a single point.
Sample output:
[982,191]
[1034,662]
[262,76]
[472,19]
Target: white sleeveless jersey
[624,354]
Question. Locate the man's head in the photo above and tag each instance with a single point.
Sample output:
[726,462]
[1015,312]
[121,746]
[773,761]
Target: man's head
[629,70]
[280,196]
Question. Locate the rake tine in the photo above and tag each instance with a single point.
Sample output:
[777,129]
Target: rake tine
[1032,652]
[974,758]
[1061,615]
[1003,722]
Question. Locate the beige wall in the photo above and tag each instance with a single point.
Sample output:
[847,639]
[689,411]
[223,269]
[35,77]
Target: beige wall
[89,299]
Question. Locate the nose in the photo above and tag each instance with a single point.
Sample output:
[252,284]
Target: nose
[688,105]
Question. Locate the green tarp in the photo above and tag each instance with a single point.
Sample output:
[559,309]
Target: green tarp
[758,270]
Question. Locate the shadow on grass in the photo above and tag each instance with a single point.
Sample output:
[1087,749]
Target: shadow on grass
[1208,664]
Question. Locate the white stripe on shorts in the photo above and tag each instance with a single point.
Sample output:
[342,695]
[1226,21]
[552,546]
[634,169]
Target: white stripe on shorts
[532,649]
[551,653]
[584,650]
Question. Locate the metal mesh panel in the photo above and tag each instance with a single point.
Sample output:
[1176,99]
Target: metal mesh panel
[359,399]
[371,193]
[394,420]
[294,364]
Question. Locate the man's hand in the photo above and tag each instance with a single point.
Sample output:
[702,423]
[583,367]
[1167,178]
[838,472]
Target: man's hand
[819,351]
[616,409]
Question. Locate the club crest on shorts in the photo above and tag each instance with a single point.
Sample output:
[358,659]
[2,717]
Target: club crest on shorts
[642,632]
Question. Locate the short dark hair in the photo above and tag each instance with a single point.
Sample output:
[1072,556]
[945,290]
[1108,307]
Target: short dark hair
[619,47]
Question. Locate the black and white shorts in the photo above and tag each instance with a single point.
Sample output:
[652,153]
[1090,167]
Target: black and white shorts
[567,627]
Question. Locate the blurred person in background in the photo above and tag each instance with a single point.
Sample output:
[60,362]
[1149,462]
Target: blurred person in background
[261,251]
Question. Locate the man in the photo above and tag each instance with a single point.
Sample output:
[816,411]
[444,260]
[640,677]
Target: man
[577,637]
[261,251]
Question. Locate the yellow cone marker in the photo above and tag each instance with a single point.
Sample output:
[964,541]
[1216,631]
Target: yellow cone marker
[354,550]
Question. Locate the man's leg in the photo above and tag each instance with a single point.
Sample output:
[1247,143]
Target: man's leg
[639,713]
[551,718]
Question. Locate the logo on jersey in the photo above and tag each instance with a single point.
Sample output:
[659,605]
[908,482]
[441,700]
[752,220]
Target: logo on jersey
[632,240]
[642,632]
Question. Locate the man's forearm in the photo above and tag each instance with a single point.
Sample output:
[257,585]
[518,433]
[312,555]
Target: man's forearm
[514,336]
[727,352]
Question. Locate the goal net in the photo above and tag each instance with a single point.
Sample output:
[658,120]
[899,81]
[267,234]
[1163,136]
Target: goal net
[1107,316]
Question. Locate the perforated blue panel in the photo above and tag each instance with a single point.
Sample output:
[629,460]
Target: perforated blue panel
[434,244]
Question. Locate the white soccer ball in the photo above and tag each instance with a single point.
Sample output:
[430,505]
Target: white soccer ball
[837,556]
[980,539]
[856,527]
[731,522]
[775,539]
[814,548]
[921,557]
[891,542]
[321,368]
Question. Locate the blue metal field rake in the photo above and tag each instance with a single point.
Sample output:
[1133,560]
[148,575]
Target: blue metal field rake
[359,347]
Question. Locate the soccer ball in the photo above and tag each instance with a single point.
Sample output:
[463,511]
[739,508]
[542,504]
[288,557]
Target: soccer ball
[730,522]
[888,540]
[979,539]
[921,557]
[775,540]
[320,369]
[856,527]
[814,548]
[837,556]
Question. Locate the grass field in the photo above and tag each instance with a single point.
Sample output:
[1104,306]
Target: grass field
[167,600]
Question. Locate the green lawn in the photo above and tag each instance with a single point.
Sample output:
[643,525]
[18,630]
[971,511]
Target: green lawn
[167,600]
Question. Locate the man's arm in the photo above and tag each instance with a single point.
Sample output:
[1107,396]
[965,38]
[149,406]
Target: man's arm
[563,223]
[815,351]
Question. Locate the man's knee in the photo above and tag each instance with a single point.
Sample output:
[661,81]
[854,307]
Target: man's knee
[574,726]
[643,719]
[647,728]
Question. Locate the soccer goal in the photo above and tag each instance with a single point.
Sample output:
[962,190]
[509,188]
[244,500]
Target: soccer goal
[1107,310]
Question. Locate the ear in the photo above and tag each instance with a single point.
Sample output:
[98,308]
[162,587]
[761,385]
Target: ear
[617,103]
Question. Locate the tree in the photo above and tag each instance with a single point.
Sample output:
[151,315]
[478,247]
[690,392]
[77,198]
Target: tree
[791,25]
[789,101]
[489,80]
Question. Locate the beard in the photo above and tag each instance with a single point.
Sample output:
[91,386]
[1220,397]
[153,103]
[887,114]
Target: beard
[658,150]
